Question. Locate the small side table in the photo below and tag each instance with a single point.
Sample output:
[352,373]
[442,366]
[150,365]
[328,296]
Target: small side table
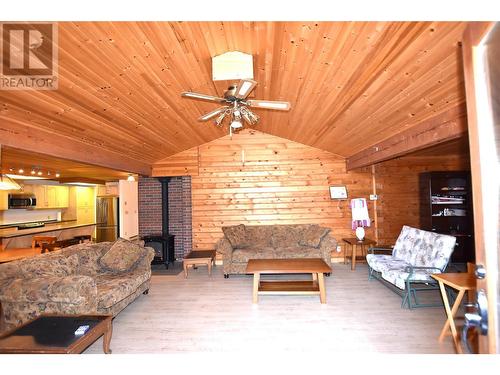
[354,242]
[463,282]
[194,258]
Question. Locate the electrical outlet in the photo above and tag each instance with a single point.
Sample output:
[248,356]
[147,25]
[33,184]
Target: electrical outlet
[339,249]
[373,197]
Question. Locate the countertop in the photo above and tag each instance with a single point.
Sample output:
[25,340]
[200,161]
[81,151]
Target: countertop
[49,227]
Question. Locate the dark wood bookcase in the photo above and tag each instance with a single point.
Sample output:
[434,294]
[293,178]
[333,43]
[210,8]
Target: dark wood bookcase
[446,207]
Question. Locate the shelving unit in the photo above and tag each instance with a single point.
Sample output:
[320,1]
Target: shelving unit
[446,207]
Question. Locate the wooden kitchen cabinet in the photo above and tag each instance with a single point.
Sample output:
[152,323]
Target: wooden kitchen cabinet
[4,200]
[49,196]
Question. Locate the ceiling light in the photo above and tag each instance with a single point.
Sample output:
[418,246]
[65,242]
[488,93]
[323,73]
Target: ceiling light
[232,65]
[39,173]
[33,171]
[58,175]
[236,124]
[20,171]
[130,178]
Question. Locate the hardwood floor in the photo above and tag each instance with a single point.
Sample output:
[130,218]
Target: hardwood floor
[202,314]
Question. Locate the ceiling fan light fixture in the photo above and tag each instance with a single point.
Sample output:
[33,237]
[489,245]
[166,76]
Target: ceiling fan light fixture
[236,124]
[220,119]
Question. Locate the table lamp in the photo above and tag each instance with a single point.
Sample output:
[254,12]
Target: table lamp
[360,219]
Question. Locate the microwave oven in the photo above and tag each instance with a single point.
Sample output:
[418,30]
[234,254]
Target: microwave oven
[22,201]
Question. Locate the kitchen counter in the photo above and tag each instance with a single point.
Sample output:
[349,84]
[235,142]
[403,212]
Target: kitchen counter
[14,232]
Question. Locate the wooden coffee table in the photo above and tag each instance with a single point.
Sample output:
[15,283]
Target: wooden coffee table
[55,334]
[315,266]
[195,258]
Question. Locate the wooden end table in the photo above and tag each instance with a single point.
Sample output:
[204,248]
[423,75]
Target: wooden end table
[354,242]
[315,266]
[463,282]
[202,257]
[55,334]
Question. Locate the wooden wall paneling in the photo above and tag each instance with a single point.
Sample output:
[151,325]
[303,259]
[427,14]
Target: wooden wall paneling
[397,183]
[280,182]
[182,164]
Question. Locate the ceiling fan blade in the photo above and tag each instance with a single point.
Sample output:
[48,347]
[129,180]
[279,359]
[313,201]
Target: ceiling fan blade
[269,104]
[245,87]
[213,113]
[210,98]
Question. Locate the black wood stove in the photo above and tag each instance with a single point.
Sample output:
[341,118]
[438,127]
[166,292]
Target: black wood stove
[162,243]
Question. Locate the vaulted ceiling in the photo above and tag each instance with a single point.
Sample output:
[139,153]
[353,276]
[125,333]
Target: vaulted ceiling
[350,84]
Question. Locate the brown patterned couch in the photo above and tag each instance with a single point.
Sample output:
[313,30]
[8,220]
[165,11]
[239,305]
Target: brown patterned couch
[75,280]
[241,243]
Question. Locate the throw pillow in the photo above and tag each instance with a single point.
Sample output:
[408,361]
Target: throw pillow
[313,235]
[123,256]
[236,235]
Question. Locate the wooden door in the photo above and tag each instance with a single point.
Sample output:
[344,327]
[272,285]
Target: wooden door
[481,53]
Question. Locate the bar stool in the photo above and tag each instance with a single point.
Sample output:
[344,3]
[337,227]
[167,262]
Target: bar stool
[37,241]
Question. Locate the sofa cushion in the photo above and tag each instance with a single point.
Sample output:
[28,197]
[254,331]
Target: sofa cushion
[123,256]
[73,289]
[433,249]
[312,235]
[259,235]
[296,252]
[236,235]
[403,248]
[88,256]
[287,235]
[52,264]
[111,289]
[243,255]
[381,262]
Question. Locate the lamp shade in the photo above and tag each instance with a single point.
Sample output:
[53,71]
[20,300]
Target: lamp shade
[359,209]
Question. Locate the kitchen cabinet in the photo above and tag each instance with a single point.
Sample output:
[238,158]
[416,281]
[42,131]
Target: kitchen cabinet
[4,200]
[49,196]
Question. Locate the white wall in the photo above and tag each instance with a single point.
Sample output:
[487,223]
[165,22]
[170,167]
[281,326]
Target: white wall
[129,217]
[25,216]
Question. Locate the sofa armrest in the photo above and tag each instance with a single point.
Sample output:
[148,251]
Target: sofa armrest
[73,289]
[327,245]
[145,263]
[224,248]
[411,269]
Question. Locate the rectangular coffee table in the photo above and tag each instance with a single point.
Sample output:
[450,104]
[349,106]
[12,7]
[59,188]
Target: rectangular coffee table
[55,334]
[315,266]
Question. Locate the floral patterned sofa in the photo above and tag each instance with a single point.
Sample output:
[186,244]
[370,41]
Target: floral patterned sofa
[100,278]
[242,242]
[416,255]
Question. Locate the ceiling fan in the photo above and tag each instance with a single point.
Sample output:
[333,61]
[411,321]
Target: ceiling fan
[236,105]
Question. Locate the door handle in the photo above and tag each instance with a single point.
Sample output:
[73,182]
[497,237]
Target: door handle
[477,320]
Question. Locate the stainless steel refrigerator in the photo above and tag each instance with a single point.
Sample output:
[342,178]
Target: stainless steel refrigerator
[107,219]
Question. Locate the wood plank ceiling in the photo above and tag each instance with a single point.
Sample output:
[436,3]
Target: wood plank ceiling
[351,84]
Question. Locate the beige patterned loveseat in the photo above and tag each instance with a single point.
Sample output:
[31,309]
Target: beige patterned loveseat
[79,279]
[242,242]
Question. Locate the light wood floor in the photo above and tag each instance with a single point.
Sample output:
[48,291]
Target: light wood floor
[202,314]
